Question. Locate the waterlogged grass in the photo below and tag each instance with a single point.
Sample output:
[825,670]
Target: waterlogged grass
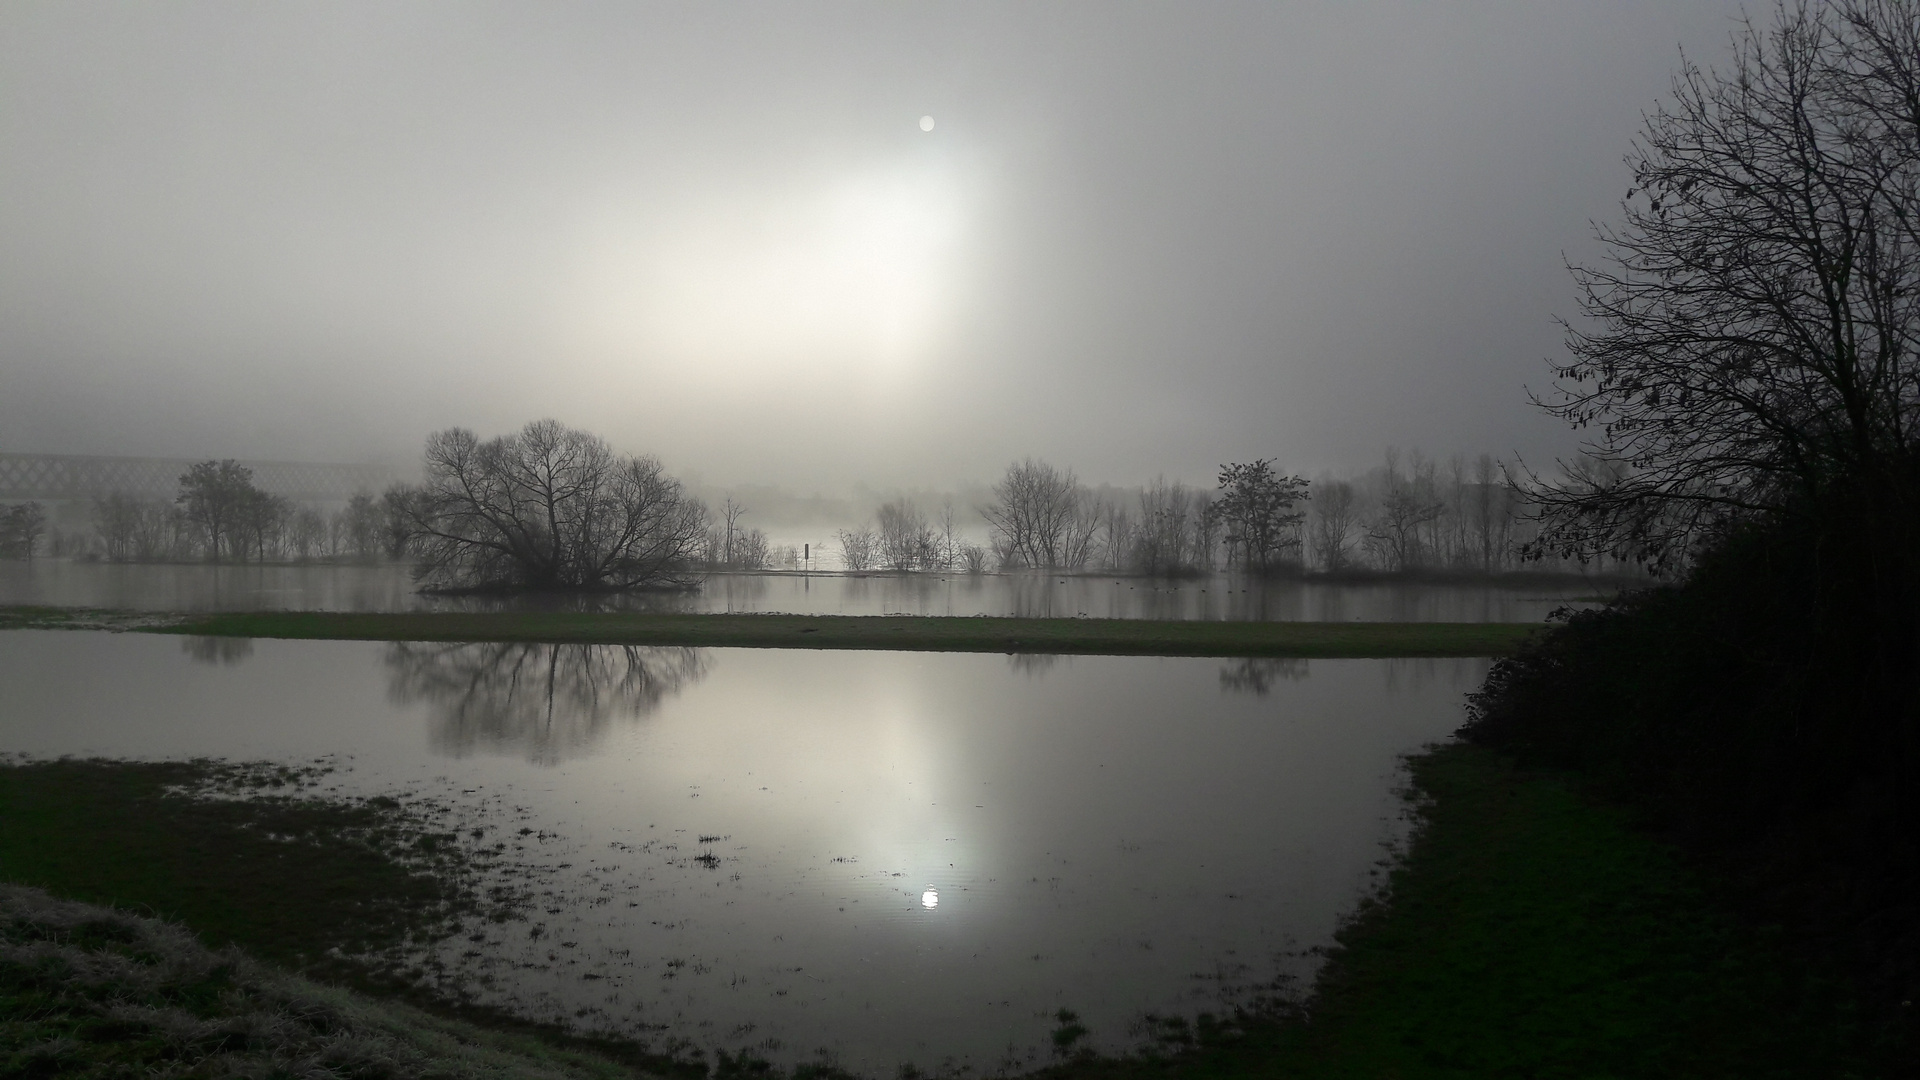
[1528,933]
[1122,637]
[245,855]
[87,991]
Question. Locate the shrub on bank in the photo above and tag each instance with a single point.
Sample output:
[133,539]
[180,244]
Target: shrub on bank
[1765,714]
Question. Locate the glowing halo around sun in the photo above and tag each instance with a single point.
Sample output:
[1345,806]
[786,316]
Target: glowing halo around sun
[857,276]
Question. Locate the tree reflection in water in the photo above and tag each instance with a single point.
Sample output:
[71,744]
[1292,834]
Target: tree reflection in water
[217,650]
[1257,677]
[547,702]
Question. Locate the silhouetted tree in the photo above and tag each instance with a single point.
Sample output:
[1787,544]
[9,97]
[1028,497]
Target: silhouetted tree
[260,522]
[1334,515]
[218,498]
[550,507]
[400,508]
[906,540]
[1256,504]
[1166,540]
[1031,517]
[1748,349]
[1490,515]
[21,527]
[858,548]
[730,514]
[1395,531]
[357,529]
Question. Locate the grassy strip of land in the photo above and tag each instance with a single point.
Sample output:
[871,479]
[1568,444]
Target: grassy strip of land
[1530,933]
[1114,637]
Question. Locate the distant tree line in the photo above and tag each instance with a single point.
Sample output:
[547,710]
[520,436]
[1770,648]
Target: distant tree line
[219,515]
[902,537]
[1413,513]
[554,507]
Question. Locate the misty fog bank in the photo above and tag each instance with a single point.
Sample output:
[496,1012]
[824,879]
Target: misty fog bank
[1133,237]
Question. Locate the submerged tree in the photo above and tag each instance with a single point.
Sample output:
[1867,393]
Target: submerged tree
[550,507]
[1749,350]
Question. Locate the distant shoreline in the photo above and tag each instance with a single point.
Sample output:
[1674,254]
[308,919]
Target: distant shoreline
[1354,576]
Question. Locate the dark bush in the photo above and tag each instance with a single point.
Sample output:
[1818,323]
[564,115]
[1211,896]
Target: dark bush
[1766,714]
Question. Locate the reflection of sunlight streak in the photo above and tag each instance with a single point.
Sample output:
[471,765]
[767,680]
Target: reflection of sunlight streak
[858,273]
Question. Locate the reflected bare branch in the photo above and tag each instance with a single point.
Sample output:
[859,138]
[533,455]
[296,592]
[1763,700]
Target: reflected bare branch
[546,702]
[217,650]
[1257,677]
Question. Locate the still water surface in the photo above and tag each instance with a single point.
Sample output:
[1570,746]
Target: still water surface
[388,588]
[885,857]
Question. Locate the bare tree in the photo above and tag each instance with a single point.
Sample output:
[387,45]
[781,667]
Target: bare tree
[1748,348]
[1032,515]
[357,528]
[730,514]
[21,527]
[1164,541]
[550,507]
[1396,530]
[1116,534]
[215,497]
[307,533]
[1335,514]
[115,523]
[751,549]
[400,507]
[947,555]
[973,558]
[1491,514]
[906,540]
[260,523]
[858,548]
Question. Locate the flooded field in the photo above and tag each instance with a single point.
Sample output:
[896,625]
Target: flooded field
[388,588]
[879,857]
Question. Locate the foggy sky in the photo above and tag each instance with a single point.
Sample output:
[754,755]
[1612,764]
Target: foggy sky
[1139,240]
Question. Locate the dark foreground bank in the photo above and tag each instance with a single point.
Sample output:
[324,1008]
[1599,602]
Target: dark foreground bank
[1112,637]
[93,991]
[1526,932]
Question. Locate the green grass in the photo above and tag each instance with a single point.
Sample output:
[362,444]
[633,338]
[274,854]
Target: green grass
[1530,933]
[1120,637]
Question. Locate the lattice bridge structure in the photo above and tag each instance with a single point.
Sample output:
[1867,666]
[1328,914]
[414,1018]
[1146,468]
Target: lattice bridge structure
[62,478]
